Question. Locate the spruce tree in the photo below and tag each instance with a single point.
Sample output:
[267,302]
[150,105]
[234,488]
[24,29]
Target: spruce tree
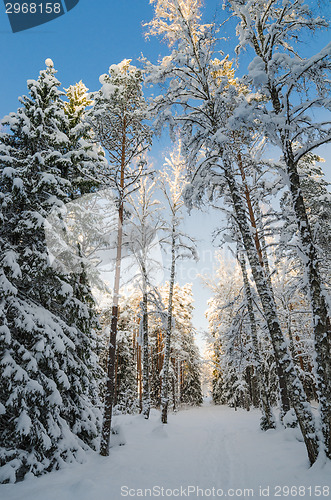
[185,353]
[49,372]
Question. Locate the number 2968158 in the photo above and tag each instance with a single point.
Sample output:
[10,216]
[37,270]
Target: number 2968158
[33,8]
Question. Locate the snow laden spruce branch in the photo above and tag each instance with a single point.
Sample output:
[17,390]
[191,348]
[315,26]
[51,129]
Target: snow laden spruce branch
[50,404]
[204,102]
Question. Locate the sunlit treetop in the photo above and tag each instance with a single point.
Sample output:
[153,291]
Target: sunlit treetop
[174,176]
[169,15]
[78,101]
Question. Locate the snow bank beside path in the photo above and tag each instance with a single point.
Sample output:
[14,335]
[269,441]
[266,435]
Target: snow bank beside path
[208,447]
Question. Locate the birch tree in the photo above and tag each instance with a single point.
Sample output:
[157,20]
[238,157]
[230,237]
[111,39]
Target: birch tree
[268,420]
[172,182]
[295,118]
[143,242]
[204,108]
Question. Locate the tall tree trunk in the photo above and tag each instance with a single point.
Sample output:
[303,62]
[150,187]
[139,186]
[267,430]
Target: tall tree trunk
[117,382]
[174,396]
[146,402]
[281,351]
[166,361]
[140,386]
[179,382]
[321,320]
[110,382]
[267,419]
[263,260]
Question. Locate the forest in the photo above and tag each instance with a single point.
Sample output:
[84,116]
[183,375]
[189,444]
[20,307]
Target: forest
[94,320]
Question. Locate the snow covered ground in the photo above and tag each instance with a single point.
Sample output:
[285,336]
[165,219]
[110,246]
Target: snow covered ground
[216,449]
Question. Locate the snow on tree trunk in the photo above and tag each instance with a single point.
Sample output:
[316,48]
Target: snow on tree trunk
[267,420]
[321,319]
[281,351]
[263,260]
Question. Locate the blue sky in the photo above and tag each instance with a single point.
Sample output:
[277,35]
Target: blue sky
[83,44]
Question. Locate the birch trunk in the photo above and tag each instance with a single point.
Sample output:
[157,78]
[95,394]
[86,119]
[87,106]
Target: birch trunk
[263,260]
[281,351]
[321,320]
[267,420]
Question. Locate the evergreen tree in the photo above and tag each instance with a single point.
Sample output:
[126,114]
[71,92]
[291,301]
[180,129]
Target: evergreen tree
[126,394]
[317,199]
[190,372]
[49,371]
[185,353]
[92,168]
[78,101]
[240,352]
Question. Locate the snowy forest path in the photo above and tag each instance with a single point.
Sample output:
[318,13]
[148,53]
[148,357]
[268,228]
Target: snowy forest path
[207,447]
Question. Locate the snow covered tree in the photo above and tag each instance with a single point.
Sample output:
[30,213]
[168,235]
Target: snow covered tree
[118,120]
[184,375]
[296,319]
[142,236]
[228,336]
[205,106]
[239,351]
[185,353]
[49,369]
[255,181]
[83,139]
[78,101]
[173,182]
[156,344]
[294,89]
[317,198]
[125,393]
[267,421]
